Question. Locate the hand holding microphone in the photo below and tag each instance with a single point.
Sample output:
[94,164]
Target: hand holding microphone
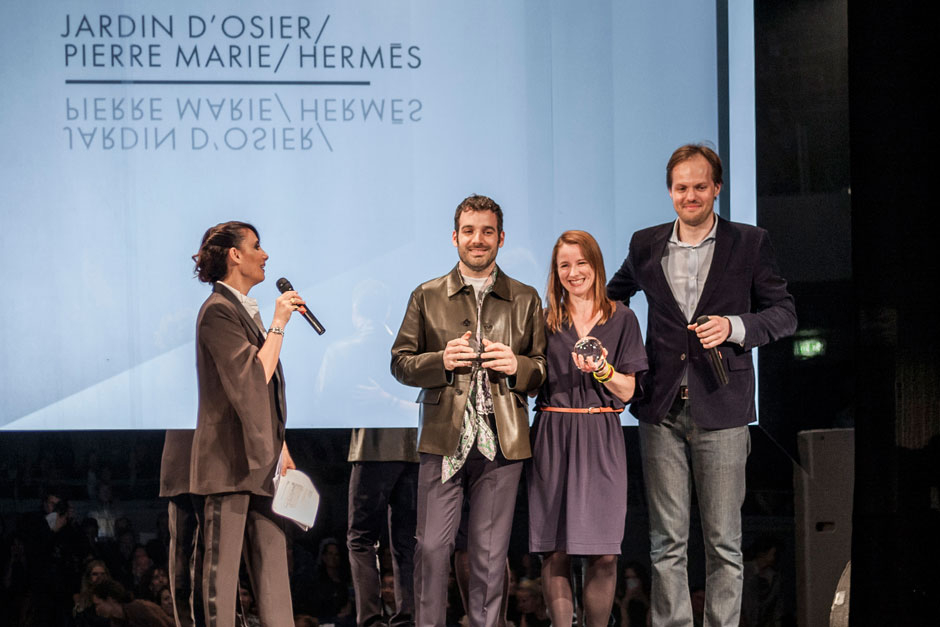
[711,332]
[286,304]
[296,302]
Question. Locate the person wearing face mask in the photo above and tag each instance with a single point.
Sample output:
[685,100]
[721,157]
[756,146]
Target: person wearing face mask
[579,461]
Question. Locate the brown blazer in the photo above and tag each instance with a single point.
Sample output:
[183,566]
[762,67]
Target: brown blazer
[443,309]
[174,466]
[240,427]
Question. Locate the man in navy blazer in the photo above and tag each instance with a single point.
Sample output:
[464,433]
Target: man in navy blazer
[694,413]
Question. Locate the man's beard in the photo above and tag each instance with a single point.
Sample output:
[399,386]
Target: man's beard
[482,264]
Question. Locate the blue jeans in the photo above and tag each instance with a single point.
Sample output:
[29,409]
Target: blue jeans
[675,452]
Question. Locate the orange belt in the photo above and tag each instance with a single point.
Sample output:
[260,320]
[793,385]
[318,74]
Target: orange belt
[581,410]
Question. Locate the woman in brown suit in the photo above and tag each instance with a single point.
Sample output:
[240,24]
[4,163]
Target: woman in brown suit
[238,445]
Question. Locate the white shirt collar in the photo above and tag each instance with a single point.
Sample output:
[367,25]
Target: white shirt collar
[250,304]
[674,238]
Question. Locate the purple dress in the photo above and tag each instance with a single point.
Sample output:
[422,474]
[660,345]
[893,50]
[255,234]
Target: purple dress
[577,477]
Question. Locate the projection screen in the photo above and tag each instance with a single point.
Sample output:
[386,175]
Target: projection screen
[347,133]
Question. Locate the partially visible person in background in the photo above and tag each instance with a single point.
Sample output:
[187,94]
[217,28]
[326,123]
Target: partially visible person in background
[113,602]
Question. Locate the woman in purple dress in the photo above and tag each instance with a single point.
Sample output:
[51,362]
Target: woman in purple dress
[577,477]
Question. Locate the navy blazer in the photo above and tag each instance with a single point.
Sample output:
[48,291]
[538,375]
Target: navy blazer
[743,280]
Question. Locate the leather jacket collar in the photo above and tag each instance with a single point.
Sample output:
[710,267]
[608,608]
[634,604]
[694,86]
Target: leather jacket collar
[501,287]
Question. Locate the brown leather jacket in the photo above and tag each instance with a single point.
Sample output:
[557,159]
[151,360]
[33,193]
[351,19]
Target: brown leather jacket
[443,309]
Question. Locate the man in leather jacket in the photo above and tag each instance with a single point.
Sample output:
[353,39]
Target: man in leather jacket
[474,341]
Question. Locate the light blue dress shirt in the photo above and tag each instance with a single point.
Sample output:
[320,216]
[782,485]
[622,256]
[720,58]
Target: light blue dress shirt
[686,267]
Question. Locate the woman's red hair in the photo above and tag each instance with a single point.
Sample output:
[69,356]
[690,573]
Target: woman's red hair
[559,314]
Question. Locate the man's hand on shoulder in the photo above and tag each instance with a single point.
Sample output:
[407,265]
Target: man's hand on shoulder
[499,357]
[712,333]
[458,353]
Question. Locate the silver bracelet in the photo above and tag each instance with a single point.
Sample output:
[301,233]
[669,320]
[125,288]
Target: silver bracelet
[276,330]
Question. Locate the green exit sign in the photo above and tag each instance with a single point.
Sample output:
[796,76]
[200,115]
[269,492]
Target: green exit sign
[808,347]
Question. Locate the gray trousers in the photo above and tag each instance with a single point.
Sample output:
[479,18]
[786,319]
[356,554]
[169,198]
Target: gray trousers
[234,525]
[380,492]
[491,486]
[676,452]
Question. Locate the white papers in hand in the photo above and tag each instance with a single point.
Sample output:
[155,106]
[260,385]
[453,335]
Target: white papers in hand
[296,498]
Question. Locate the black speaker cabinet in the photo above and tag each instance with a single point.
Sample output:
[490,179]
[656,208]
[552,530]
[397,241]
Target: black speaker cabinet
[823,483]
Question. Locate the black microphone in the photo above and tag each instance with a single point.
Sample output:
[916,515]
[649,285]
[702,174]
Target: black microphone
[718,367]
[284,286]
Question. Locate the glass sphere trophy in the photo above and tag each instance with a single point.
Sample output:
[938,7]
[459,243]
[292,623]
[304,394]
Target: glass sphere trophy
[591,349]
[478,348]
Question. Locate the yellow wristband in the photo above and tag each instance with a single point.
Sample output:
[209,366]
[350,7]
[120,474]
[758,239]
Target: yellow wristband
[608,374]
